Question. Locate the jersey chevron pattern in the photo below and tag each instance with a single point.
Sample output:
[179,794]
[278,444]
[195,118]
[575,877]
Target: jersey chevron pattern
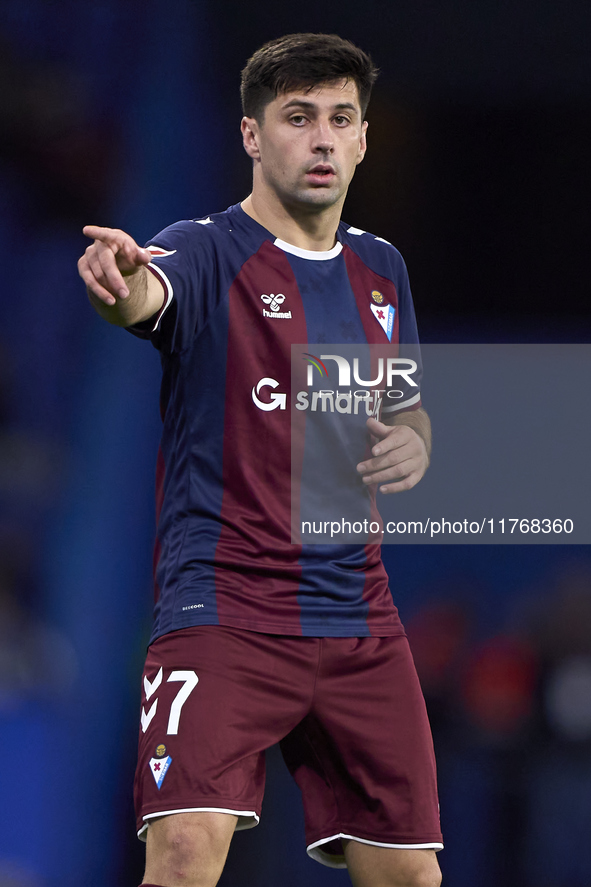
[237,299]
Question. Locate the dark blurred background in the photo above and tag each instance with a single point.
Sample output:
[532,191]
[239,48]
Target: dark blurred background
[126,114]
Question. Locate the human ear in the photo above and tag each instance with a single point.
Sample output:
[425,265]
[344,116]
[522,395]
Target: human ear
[362,142]
[250,132]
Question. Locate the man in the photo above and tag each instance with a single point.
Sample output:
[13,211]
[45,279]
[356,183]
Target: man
[256,639]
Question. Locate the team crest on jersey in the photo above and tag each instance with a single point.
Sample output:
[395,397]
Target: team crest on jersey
[275,302]
[377,297]
[158,252]
[159,768]
[384,314]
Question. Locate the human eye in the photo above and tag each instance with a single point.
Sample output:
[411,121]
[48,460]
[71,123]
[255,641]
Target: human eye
[297,119]
[341,120]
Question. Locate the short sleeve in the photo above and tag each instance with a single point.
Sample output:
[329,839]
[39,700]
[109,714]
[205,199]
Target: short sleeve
[182,260]
[404,389]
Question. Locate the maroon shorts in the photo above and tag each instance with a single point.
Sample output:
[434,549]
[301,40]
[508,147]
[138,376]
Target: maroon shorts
[349,715]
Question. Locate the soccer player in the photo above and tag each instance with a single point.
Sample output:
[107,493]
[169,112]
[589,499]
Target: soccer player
[258,639]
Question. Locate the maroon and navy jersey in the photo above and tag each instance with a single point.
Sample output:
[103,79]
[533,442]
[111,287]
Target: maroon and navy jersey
[240,307]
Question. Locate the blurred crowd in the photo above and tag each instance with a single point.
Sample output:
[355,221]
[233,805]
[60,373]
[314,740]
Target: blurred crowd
[511,716]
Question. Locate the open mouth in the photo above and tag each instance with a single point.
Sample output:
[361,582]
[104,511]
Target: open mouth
[320,174]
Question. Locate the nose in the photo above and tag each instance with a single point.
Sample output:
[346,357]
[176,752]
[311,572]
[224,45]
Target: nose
[323,138]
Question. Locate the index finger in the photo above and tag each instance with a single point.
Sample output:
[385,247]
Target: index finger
[95,232]
[114,238]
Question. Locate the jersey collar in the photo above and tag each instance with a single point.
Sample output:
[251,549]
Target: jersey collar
[315,255]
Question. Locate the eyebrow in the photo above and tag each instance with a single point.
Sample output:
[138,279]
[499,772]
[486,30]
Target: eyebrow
[301,103]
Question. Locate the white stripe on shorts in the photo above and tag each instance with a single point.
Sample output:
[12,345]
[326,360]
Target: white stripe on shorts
[333,861]
[246,818]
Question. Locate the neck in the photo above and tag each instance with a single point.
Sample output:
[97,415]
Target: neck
[304,229]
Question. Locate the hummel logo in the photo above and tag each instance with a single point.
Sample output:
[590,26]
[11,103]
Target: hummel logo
[275,302]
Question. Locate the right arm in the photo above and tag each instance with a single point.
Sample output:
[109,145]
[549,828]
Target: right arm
[119,285]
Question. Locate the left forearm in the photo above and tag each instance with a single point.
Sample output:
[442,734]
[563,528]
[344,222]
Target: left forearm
[418,420]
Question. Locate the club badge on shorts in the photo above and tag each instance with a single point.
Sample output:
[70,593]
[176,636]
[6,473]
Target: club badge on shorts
[159,766]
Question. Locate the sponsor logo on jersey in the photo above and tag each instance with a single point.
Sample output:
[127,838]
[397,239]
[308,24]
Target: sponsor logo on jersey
[274,401]
[159,253]
[384,314]
[347,398]
[159,768]
[275,302]
[377,297]
[328,400]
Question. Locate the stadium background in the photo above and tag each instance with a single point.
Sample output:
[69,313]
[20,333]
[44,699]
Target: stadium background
[126,114]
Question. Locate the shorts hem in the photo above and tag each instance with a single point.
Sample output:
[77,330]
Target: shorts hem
[246,818]
[337,861]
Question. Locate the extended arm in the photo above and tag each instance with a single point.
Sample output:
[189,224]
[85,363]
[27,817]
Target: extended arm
[401,454]
[119,285]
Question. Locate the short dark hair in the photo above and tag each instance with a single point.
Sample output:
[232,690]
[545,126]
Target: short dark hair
[299,61]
